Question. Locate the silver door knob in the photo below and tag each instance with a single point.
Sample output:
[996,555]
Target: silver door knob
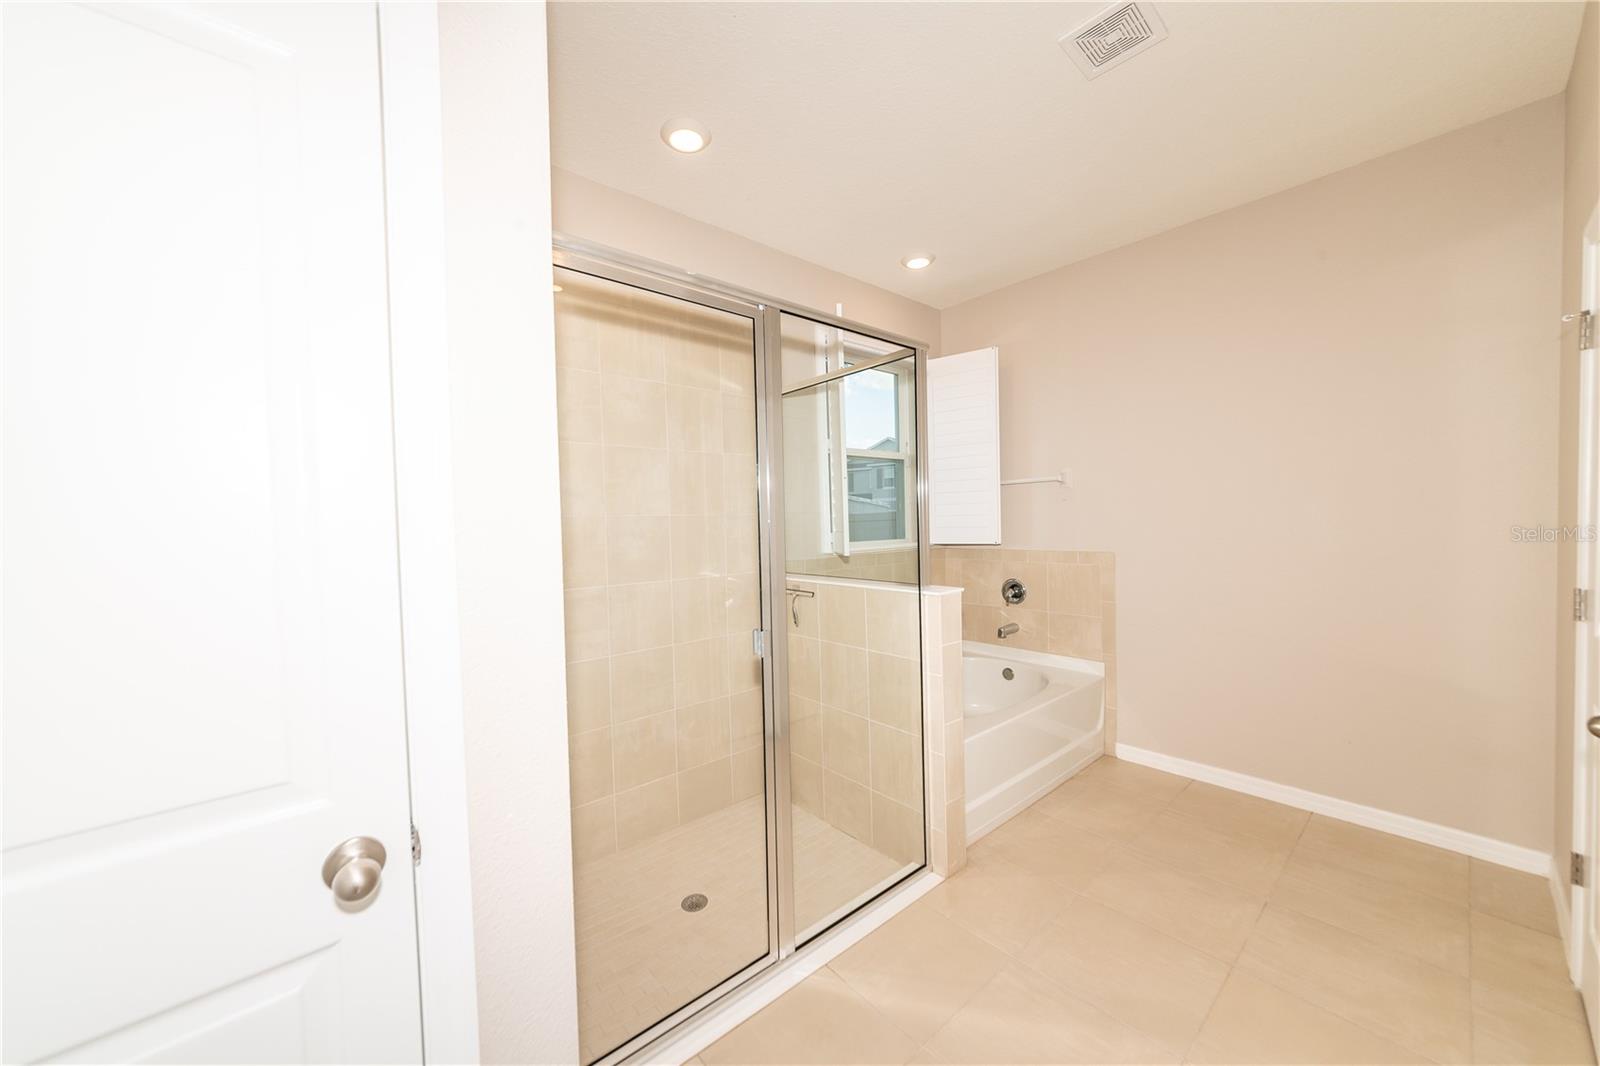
[354,868]
[1594,725]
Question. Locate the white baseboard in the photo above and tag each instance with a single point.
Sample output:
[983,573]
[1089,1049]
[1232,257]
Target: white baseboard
[1488,849]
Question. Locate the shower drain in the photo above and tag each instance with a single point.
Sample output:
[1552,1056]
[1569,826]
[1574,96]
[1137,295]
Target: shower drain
[694,901]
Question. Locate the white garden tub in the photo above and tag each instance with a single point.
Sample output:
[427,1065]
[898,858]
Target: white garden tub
[1027,732]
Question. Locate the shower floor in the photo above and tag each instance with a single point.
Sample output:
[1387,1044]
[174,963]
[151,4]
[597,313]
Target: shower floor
[641,956]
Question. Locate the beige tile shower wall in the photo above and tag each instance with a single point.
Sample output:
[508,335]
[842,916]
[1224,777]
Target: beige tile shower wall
[943,729]
[1071,607]
[659,538]
[855,711]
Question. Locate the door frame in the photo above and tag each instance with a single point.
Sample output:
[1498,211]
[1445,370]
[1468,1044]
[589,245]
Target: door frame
[1576,925]
[413,156]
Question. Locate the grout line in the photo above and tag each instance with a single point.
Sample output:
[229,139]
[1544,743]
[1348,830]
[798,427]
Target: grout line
[1234,964]
[1353,1022]
[1211,1008]
[1472,954]
[1364,875]
[975,992]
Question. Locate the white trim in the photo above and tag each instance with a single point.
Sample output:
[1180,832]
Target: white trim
[1574,923]
[1500,852]
[508,525]
[420,373]
[1557,875]
[717,1021]
[867,547]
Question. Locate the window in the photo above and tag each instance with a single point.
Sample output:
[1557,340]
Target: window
[849,448]
[879,437]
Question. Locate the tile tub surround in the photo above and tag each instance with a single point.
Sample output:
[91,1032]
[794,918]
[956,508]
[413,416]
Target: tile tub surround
[942,727]
[1071,607]
[1191,924]
[656,410]
[867,717]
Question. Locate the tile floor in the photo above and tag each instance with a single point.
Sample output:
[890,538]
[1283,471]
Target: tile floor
[1133,916]
[641,956]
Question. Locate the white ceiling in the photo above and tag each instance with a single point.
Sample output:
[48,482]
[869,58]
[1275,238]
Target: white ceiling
[852,135]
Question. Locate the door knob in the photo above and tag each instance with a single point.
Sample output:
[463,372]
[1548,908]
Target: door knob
[354,868]
[1594,725]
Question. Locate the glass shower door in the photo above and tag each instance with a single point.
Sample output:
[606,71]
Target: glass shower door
[855,751]
[656,400]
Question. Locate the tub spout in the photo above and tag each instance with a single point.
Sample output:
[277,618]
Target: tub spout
[1006,630]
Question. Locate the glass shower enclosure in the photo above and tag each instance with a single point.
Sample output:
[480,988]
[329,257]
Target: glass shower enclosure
[741,518]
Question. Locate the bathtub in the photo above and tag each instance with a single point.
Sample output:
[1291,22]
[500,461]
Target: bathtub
[1027,733]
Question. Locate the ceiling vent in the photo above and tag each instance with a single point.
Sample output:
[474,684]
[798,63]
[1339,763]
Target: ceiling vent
[1113,37]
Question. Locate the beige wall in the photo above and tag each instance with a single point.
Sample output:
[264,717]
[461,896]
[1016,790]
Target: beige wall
[593,212]
[1582,102]
[1306,427]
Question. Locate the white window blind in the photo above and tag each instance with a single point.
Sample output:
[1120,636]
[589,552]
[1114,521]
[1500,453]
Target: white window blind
[964,448]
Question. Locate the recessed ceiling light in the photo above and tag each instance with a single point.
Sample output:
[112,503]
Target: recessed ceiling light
[685,135]
[555,288]
[917,262]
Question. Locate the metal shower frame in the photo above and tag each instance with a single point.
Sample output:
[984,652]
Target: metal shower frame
[764,313]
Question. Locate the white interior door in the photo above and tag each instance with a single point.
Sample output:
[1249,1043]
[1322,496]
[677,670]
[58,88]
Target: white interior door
[203,691]
[1586,768]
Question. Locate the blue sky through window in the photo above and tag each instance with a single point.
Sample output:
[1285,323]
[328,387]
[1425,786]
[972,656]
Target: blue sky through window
[871,416]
